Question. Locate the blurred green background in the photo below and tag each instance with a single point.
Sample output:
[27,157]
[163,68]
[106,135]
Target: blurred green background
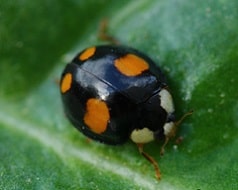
[195,44]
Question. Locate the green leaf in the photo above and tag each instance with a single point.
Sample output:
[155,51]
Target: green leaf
[195,43]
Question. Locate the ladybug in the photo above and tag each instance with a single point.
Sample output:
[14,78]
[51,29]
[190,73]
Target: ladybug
[114,93]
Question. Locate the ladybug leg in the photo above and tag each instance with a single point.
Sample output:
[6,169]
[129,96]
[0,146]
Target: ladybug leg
[177,123]
[88,140]
[163,146]
[103,33]
[151,160]
[173,130]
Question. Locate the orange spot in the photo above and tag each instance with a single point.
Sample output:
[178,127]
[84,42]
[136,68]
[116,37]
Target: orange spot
[97,115]
[66,82]
[131,65]
[87,53]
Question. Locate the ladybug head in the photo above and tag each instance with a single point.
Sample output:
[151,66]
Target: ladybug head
[156,119]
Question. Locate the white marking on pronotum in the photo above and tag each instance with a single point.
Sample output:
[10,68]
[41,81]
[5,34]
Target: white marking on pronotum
[166,101]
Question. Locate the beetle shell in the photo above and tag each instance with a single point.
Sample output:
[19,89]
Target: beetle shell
[113,93]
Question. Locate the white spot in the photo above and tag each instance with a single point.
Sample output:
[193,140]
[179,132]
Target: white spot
[168,128]
[222,95]
[210,110]
[166,101]
[175,147]
[142,135]
[225,136]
